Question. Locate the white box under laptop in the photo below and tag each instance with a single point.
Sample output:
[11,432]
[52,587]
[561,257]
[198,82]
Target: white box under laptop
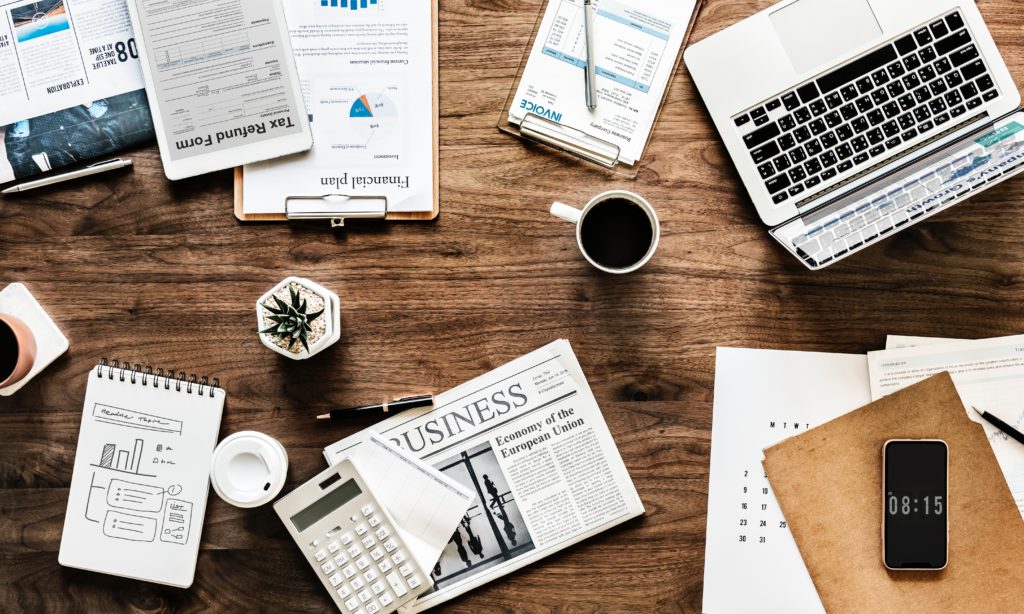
[927,82]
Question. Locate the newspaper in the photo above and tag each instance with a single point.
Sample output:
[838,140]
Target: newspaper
[529,440]
[71,86]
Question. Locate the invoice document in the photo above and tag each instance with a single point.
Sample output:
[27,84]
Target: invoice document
[367,79]
[752,563]
[989,375]
[637,46]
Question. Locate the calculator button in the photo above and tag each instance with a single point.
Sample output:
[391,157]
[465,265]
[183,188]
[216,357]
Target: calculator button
[413,581]
[357,584]
[368,541]
[320,555]
[377,588]
[348,571]
[328,567]
[352,604]
[398,558]
[365,596]
[384,566]
[344,592]
[377,554]
[396,584]
[370,576]
[335,579]
[362,563]
[346,539]
[374,521]
[405,569]
[367,509]
[341,559]
[361,529]
[333,547]
[390,545]
[382,533]
[386,599]
[354,550]
[372,608]
[354,518]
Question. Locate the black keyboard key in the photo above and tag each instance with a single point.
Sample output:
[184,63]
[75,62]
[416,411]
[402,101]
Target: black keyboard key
[927,74]
[880,77]
[802,115]
[973,70]
[761,135]
[759,112]
[760,121]
[844,151]
[906,122]
[954,21]
[813,167]
[765,152]
[877,151]
[833,100]
[848,112]
[780,197]
[923,36]
[925,126]
[954,79]
[796,190]
[927,55]
[963,56]
[858,68]
[953,98]
[813,148]
[861,125]
[906,102]
[937,87]
[912,62]
[845,166]
[943,66]
[833,119]
[797,174]
[813,181]
[937,106]
[829,159]
[802,134]
[781,163]
[830,140]
[891,110]
[791,101]
[787,142]
[909,134]
[742,120]
[775,104]
[891,129]
[922,94]
[958,111]
[797,156]
[864,104]
[969,91]
[876,117]
[844,132]
[808,92]
[865,85]
[861,159]
[896,89]
[912,82]
[954,41]
[859,144]
[985,83]
[818,108]
[974,103]
[941,119]
[875,136]
[893,142]
[906,44]
[879,97]
[779,182]
[990,95]
[787,123]
[849,93]
[766,170]
[922,113]
[938,29]
[817,127]
[896,70]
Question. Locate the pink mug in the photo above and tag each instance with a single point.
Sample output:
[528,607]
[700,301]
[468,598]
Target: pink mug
[17,350]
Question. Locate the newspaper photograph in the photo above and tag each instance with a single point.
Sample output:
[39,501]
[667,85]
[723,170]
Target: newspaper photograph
[530,441]
[71,86]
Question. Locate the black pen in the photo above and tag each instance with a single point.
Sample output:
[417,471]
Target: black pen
[387,407]
[999,424]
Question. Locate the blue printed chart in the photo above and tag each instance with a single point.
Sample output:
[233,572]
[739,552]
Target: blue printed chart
[348,4]
[353,119]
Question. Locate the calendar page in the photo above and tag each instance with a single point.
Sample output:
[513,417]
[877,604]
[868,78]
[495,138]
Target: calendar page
[752,563]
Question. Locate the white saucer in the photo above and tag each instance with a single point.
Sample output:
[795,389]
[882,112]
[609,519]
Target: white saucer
[17,301]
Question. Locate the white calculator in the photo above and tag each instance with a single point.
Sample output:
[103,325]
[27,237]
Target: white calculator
[351,542]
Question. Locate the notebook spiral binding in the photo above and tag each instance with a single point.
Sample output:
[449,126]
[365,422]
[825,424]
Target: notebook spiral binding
[138,374]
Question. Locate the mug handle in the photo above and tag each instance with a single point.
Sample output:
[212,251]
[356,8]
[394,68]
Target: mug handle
[566,212]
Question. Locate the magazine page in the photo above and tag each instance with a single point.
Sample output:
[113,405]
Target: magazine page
[71,86]
[529,440]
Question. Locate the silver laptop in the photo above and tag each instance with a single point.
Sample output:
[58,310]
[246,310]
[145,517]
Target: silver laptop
[850,120]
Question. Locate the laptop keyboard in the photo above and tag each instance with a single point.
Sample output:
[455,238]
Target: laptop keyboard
[830,128]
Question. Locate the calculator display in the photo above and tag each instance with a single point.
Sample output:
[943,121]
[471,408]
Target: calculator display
[326,504]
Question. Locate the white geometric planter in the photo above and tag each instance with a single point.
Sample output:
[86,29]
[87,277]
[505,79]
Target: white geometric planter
[331,317]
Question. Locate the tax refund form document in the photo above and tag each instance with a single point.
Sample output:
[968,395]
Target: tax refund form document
[637,45]
[752,563]
[989,375]
[367,78]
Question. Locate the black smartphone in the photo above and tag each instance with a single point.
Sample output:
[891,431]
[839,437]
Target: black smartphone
[915,514]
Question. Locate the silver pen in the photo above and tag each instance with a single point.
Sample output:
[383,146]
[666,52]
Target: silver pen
[92,169]
[590,74]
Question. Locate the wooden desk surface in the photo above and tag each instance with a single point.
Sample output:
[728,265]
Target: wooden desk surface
[136,268]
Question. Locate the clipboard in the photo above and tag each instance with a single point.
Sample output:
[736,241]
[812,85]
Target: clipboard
[572,142]
[828,482]
[340,207]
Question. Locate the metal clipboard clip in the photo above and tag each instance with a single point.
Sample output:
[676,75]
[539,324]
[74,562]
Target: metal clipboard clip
[335,207]
[571,140]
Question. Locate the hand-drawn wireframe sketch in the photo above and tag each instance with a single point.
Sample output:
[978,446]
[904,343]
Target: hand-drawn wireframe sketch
[131,527]
[122,460]
[132,419]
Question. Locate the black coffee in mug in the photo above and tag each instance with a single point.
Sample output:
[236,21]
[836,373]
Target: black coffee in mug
[617,233]
[8,351]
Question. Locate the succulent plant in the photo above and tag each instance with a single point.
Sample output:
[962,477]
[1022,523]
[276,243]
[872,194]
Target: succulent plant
[291,322]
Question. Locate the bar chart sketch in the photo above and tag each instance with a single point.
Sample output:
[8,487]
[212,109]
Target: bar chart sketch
[123,460]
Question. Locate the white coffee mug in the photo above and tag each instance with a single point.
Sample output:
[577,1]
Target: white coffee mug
[249,469]
[578,217]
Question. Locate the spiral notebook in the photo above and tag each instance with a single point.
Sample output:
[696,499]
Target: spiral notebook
[142,473]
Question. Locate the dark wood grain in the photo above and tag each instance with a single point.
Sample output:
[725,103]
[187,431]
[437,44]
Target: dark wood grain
[136,268]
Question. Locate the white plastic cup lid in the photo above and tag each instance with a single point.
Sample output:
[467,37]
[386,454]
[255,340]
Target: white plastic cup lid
[249,469]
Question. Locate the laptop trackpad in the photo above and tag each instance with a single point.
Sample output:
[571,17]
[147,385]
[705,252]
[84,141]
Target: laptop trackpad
[815,33]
